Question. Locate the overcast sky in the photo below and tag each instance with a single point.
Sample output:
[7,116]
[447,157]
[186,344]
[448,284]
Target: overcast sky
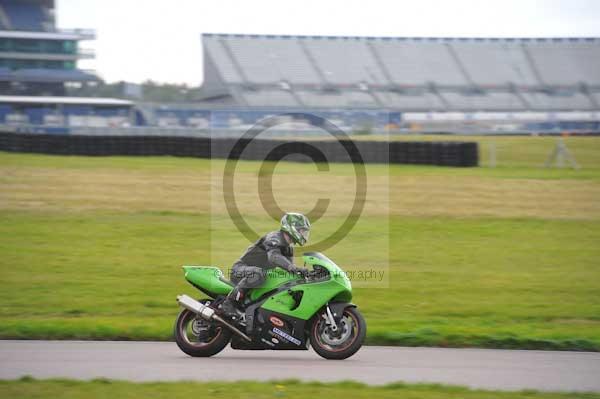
[160,39]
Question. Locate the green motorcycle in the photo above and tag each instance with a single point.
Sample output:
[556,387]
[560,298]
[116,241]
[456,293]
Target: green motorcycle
[286,312]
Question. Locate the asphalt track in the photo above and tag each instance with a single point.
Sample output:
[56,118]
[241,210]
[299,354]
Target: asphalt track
[154,361]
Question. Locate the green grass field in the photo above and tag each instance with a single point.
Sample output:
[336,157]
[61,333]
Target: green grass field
[67,389]
[504,257]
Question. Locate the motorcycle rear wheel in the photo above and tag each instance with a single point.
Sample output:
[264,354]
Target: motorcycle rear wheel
[343,343]
[194,341]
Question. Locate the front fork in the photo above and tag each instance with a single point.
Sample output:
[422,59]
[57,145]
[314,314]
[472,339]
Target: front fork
[330,320]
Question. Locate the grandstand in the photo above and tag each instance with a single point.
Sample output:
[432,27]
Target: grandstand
[449,84]
[406,74]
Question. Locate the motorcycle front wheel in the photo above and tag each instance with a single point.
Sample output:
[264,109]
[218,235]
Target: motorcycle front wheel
[340,344]
[198,337]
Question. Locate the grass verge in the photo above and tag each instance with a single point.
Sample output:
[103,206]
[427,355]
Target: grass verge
[102,388]
[451,283]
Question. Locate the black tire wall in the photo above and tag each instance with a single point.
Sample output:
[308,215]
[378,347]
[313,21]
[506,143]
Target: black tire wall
[395,152]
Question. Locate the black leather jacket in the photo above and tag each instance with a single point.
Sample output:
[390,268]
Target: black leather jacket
[269,251]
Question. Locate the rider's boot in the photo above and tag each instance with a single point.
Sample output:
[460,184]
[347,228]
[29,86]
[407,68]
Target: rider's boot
[232,303]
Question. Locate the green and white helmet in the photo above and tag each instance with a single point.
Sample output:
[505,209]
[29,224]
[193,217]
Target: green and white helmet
[297,226]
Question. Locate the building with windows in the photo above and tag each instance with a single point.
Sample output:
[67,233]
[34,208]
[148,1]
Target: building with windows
[38,62]
[36,58]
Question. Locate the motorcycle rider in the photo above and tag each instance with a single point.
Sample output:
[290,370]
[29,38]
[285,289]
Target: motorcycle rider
[271,250]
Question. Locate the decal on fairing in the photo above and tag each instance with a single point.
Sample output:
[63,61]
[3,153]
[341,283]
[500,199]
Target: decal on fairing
[276,321]
[287,336]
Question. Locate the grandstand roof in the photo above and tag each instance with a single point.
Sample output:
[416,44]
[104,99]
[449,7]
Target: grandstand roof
[407,73]
[64,100]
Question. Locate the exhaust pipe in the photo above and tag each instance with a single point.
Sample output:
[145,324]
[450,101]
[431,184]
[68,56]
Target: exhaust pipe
[207,313]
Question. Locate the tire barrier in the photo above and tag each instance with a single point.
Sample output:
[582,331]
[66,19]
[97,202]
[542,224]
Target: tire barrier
[396,152]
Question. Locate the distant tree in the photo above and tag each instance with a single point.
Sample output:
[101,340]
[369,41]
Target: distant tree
[150,91]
